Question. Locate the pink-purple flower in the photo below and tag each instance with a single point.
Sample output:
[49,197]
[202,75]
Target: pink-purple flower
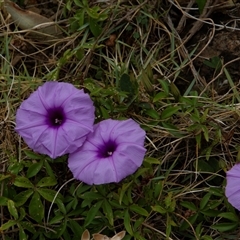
[232,190]
[55,119]
[114,150]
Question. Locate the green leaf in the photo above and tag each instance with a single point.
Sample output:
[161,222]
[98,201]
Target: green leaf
[158,208]
[49,194]
[159,96]
[7,225]
[124,188]
[28,226]
[3,177]
[224,227]
[3,201]
[76,228]
[135,208]
[12,209]
[152,160]
[107,209]
[175,91]
[158,189]
[94,27]
[79,3]
[229,215]
[91,196]
[22,182]
[36,208]
[201,4]
[92,213]
[127,222]
[152,113]
[47,182]
[125,84]
[93,12]
[56,219]
[169,199]
[172,129]
[205,200]
[22,214]
[219,192]
[22,197]
[214,62]
[140,172]
[191,220]
[165,86]
[204,166]
[34,169]
[61,228]
[169,111]
[205,237]
[104,112]
[210,212]
[49,169]
[22,234]
[33,155]
[189,205]
[15,168]
[61,205]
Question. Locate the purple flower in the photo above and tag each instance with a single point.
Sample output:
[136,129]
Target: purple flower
[113,151]
[232,190]
[55,119]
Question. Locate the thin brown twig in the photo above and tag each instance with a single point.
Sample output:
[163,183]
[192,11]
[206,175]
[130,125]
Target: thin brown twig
[184,17]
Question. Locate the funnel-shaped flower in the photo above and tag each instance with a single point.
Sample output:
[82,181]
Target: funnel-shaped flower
[113,151]
[55,119]
[232,190]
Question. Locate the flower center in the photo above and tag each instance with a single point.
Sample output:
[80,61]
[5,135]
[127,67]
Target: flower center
[56,117]
[107,149]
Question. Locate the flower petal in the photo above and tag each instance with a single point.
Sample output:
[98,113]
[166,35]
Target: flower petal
[35,119]
[232,190]
[91,167]
[87,167]
[130,155]
[54,94]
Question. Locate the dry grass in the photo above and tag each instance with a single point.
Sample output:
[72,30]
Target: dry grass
[189,110]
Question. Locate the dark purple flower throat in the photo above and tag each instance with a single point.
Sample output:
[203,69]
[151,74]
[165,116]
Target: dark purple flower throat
[107,149]
[56,117]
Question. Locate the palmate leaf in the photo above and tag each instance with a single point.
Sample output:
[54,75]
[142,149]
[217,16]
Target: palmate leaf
[76,228]
[22,197]
[137,209]
[33,155]
[12,209]
[7,225]
[225,227]
[34,169]
[47,182]
[3,201]
[95,28]
[92,213]
[28,226]
[49,194]
[36,208]
[22,234]
[107,209]
[124,188]
[229,215]
[127,222]
[58,231]
[22,182]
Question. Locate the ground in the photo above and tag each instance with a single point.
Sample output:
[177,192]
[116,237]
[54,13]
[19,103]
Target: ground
[173,67]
